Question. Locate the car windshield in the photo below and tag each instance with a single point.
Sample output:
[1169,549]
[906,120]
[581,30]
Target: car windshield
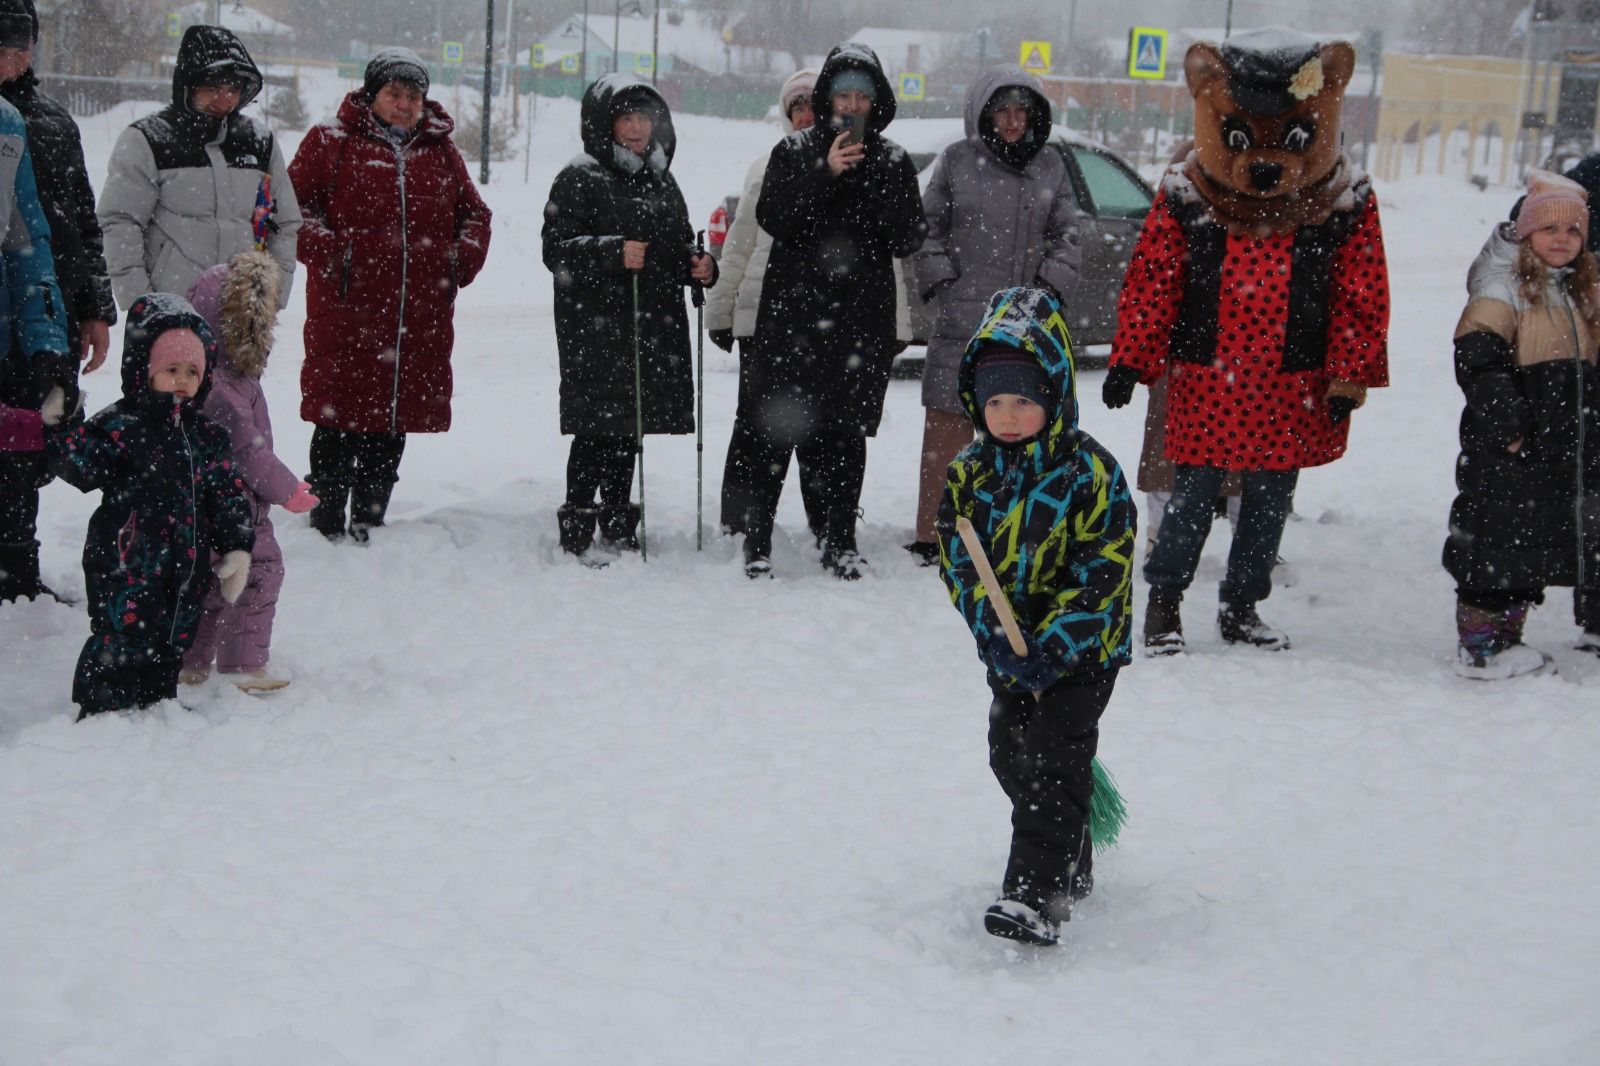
[1114,191]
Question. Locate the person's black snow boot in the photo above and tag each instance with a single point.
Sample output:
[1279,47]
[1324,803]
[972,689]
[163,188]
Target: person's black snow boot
[1163,624]
[368,506]
[839,553]
[577,522]
[327,517]
[1239,624]
[19,575]
[757,545]
[926,552]
[1015,920]
[1589,642]
[619,527]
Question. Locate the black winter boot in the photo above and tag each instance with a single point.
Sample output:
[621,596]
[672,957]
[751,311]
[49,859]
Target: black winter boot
[368,505]
[327,517]
[1240,624]
[839,553]
[619,526]
[19,571]
[1163,624]
[757,544]
[577,523]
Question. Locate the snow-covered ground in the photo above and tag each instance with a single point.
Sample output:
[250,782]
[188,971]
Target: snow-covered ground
[513,810]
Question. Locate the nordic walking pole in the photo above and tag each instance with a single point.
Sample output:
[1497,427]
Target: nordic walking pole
[997,596]
[638,421]
[698,294]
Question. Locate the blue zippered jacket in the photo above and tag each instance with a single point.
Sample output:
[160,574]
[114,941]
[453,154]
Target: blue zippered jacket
[1053,512]
[33,313]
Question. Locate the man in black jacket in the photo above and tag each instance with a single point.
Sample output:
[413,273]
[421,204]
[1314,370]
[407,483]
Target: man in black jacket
[68,202]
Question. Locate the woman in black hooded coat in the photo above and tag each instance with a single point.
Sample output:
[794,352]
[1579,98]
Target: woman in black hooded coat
[604,201]
[825,333]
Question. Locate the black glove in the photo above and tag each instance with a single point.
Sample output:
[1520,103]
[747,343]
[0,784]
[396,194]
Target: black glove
[1119,386]
[1339,408]
[722,338]
[55,370]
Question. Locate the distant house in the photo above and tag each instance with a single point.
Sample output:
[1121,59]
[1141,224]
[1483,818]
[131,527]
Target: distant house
[690,42]
[917,51]
[259,32]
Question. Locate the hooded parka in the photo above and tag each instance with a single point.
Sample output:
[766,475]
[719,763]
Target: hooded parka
[1529,518]
[393,230]
[182,186]
[998,215]
[602,198]
[825,334]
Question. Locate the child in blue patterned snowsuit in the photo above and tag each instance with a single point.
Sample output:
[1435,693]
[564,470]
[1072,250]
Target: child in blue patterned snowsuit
[1052,509]
[170,501]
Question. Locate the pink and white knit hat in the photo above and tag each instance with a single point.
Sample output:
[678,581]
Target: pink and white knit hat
[1552,199]
[177,346]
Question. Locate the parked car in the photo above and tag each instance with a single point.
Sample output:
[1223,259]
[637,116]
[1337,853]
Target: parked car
[1112,201]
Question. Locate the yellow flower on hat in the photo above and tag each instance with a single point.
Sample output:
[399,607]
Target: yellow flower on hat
[1307,81]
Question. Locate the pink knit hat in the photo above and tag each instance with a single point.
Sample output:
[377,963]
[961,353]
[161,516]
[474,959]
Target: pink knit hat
[177,346]
[1552,199]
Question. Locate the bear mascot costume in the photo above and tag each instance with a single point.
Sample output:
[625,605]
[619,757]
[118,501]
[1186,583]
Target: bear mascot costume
[1258,288]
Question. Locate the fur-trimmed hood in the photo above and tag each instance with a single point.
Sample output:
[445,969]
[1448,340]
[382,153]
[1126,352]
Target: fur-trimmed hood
[239,301]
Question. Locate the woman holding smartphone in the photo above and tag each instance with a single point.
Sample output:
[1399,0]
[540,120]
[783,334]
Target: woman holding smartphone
[841,203]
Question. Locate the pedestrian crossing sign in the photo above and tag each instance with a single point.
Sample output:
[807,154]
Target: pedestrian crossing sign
[913,86]
[645,62]
[569,64]
[536,56]
[174,25]
[1147,53]
[1036,57]
[454,51]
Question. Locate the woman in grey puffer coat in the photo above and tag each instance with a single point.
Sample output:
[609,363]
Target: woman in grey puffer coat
[1000,213]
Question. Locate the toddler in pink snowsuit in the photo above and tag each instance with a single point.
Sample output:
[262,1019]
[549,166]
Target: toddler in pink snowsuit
[239,301]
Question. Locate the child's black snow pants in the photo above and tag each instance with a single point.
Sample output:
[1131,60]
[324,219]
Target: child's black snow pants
[1041,752]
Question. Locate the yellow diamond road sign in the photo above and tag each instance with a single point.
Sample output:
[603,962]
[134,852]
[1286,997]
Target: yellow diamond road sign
[913,87]
[1036,57]
[1147,53]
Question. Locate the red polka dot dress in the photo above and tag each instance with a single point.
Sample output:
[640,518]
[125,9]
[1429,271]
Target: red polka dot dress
[1244,411]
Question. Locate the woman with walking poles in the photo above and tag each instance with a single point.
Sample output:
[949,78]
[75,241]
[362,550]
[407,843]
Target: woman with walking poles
[618,243]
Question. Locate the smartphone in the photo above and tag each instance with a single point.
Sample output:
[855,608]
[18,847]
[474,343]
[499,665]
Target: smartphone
[854,127]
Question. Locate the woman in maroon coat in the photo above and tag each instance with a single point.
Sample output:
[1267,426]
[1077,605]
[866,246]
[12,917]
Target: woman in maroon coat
[393,227]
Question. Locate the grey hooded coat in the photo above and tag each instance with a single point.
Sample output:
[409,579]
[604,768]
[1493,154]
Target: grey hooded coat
[992,224]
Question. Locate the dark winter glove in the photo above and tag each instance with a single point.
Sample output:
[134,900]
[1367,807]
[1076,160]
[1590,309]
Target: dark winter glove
[1034,672]
[722,338]
[1339,408]
[1119,386]
[55,370]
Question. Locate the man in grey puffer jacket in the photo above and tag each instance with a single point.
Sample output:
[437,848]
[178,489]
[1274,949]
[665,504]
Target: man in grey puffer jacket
[184,184]
[1000,213]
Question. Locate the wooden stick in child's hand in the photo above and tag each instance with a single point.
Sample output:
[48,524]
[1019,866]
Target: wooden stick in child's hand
[997,598]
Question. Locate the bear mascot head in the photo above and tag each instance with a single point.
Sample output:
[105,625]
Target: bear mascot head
[1267,105]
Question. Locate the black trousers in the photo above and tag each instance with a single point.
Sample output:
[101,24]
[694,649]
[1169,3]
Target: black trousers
[22,475]
[602,464]
[833,467]
[744,444]
[343,460]
[1041,753]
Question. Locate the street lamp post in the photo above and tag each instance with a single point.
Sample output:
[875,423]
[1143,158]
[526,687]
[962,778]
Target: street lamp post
[583,63]
[488,84]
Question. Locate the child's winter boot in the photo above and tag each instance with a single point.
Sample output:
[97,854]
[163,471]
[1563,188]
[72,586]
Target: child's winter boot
[1163,625]
[619,527]
[1239,624]
[1491,647]
[1016,920]
[257,681]
[327,517]
[577,522]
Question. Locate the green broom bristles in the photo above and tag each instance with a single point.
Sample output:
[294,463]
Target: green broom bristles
[1108,812]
